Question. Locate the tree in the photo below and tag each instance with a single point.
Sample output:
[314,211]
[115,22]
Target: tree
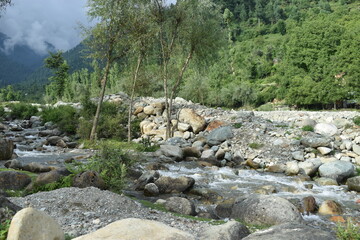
[187,29]
[107,40]
[57,63]
[3,4]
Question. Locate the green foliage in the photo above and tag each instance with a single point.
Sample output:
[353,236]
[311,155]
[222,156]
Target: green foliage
[358,171]
[66,117]
[62,183]
[112,164]
[237,125]
[22,110]
[356,120]
[4,228]
[144,146]
[2,111]
[266,107]
[308,128]
[255,145]
[348,231]
[9,94]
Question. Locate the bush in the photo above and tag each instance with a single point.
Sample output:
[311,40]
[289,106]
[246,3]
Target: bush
[66,117]
[348,231]
[266,107]
[308,128]
[4,228]
[22,111]
[2,112]
[256,145]
[356,120]
[111,163]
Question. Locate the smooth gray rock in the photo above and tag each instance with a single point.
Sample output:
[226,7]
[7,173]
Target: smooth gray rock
[291,231]
[180,205]
[151,189]
[316,141]
[172,151]
[147,177]
[310,166]
[264,209]
[219,135]
[298,155]
[326,129]
[338,170]
[231,230]
[354,183]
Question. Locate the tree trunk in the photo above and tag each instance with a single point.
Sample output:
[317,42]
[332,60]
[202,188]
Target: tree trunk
[140,58]
[98,109]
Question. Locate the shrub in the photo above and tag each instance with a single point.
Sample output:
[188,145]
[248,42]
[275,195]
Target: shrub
[308,128]
[348,231]
[111,163]
[65,117]
[2,112]
[356,120]
[22,111]
[4,228]
[237,125]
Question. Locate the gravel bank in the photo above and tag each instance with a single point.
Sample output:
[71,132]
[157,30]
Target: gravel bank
[81,211]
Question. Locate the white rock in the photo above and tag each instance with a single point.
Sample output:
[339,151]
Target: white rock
[292,168]
[356,149]
[324,150]
[326,129]
[32,224]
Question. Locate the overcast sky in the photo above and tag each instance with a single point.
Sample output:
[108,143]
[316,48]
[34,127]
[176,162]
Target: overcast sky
[34,22]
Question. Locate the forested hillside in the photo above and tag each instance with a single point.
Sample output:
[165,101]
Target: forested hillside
[306,53]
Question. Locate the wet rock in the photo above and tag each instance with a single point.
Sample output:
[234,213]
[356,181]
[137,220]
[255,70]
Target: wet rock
[330,207]
[49,132]
[315,141]
[14,164]
[224,210]
[172,151]
[29,224]
[219,135]
[5,203]
[15,128]
[326,129]
[13,180]
[88,179]
[180,205]
[323,181]
[338,170]
[36,167]
[53,140]
[266,189]
[71,144]
[147,177]
[292,168]
[26,124]
[264,209]
[277,168]
[231,230]
[353,183]
[6,149]
[252,164]
[309,205]
[291,231]
[196,121]
[174,185]
[151,189]
[191,152]
[133,228]
[310,166]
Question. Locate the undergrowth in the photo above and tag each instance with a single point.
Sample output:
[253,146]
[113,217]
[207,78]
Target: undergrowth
[4,228]
[348,231]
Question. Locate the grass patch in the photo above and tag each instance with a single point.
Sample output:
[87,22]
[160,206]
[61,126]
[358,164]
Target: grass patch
[347,231]
[308,128]
[358,171]
[237,125]
[62,183]
[281,126]
[4,228]
[255,145]
[356,120]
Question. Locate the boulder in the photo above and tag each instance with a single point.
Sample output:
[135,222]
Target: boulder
[36,167]
[196,121]
[180,205]
[209,153]
[174,185]
[315,141]
[324,150]
[31,224]
[265,209]
[191,152]
[53,140]
[353,183]
[49,132]
[326,129]
[183,127]
[151,189]
[223,210]
[214,124]
[308,205]
[356,149]
[14,164]
[292,168]
[231,230]
[298,155]
[323,181]
[330,207]
[14,180]
[338,170]
[88,179]
[310,166]
[5,203]
[133,228]
[172,151]
[6,149]
[219,135]
[277,168]
[145,178]
[50,177]
[149,110]
[306,122]
[291,231]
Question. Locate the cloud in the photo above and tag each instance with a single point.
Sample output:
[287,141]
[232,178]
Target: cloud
[35,22]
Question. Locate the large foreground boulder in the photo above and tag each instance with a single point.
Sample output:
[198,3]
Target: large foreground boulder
[6,149]
[291,231]
[263,209]
[133,228]
[338,170]
[31,224]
